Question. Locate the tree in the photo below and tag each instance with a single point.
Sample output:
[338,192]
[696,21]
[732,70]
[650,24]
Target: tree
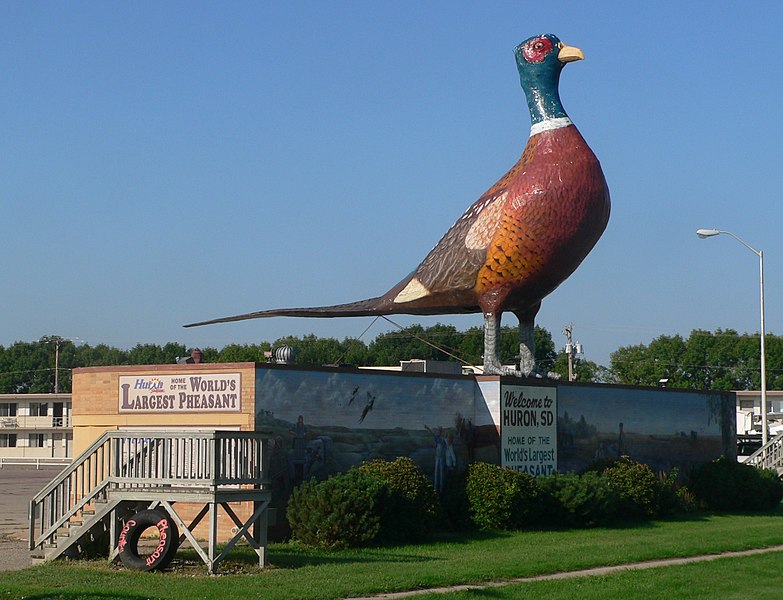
[584,370]
[152,354]
[444,342]
[242,353]
[719,360]
[648,365]
[100,355]
[723,360]
[355,352]
[312,350]
[408,343]
[27,368]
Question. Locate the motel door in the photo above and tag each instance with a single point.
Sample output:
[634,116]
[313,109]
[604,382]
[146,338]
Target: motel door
[57,415]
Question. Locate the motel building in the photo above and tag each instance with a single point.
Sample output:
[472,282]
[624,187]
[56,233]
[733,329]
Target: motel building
[749,412]
[35,428]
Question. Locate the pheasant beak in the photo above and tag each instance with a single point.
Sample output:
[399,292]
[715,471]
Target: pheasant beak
[569,54]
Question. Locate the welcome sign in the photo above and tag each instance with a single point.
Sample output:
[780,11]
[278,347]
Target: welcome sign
[528,429]
[180,393]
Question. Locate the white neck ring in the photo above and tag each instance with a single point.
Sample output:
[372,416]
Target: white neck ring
[550,124]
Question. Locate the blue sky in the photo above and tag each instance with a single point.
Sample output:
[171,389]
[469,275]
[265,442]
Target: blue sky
[168,162]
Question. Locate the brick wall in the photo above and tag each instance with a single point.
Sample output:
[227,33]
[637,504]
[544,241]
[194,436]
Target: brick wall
[96,397]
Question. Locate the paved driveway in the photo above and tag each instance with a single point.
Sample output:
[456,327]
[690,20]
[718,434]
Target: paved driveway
[17,486]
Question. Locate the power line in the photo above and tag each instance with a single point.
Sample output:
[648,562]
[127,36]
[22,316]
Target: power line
[32,371]
[440,349]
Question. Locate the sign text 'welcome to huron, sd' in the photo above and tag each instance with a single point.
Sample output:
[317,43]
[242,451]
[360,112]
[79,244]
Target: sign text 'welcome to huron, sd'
[528,430]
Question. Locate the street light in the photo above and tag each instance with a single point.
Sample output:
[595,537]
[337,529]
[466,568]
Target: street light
[705,233]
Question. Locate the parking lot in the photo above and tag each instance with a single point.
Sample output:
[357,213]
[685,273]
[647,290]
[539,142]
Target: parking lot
[17,486]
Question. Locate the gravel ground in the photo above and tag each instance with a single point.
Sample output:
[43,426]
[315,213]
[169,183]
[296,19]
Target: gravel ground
[17,486]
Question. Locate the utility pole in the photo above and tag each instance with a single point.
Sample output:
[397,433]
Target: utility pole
[57,341]
[572,349]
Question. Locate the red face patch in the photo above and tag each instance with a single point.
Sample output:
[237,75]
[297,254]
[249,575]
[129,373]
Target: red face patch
[536,50]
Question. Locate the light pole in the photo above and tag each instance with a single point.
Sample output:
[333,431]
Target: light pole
[705,233]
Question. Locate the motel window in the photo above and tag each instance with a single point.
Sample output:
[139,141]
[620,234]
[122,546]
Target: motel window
[8,409]
[36,440]
[7,440]
[38,409]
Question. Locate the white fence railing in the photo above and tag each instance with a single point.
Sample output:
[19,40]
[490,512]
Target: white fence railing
[27,422]
[33,461]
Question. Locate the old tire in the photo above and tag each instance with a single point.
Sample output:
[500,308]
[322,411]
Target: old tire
[160,557]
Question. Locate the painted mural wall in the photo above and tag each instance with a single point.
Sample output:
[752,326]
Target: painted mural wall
[324,422]
[659,427]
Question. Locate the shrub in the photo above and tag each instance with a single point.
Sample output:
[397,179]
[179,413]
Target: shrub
[725,485]
[637,487]
[412,510]
[674,497]
[501,498]
[341,512]
[585,500]
[454,501]
[770,491]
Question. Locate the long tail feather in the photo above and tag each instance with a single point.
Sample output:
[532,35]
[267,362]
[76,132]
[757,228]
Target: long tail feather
[361,308]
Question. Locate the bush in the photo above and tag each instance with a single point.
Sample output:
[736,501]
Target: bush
[726,485]
[454,501]
[341,512]
[770,491]
[412,510]
[501,498]
[638,489]
[674,497]
[585,500]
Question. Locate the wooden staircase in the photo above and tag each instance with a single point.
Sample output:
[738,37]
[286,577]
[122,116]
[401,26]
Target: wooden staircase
[84,507]
[76,536]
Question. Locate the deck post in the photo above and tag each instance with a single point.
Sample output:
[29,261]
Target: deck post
[213,535]
[260,534]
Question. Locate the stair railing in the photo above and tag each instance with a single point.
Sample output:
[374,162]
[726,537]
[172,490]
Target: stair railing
[769,456]
[78,485]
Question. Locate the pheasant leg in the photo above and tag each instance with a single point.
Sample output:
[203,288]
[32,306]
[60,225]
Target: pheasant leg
[492,364]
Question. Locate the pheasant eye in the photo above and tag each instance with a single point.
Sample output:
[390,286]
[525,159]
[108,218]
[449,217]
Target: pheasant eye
[535,51]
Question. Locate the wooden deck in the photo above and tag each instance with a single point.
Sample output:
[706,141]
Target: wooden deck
[156,469]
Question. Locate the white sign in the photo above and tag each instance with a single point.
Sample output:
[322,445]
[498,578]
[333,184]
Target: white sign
[181,393]
[528,429]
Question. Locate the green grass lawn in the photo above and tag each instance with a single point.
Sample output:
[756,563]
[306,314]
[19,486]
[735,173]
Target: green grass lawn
[754,577]
[301,574]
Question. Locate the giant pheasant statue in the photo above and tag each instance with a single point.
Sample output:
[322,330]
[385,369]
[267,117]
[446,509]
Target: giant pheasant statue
[518,241]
